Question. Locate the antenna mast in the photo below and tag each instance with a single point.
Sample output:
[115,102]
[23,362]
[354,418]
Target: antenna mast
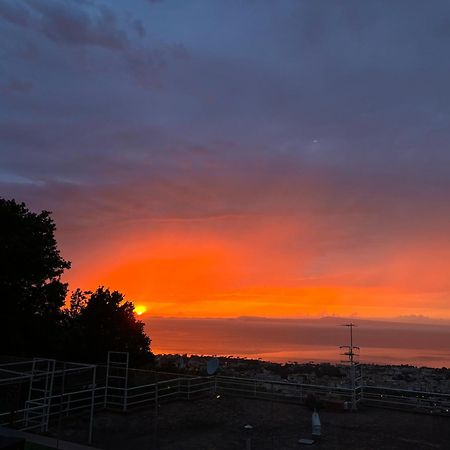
[352,353]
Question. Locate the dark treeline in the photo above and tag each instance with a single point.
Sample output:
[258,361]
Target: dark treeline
[34,317]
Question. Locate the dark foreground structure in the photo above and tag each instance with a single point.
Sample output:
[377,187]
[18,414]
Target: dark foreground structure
[219,424]
[114,407]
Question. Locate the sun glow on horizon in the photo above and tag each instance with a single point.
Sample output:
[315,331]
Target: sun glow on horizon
[140,309]
[252,269]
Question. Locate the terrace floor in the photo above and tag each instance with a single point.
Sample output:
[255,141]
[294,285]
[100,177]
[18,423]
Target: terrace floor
[218,424]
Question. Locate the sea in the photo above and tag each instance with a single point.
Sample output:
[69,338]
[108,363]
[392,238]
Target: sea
[397,341]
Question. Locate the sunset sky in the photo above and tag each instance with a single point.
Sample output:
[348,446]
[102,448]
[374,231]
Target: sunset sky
[237,158]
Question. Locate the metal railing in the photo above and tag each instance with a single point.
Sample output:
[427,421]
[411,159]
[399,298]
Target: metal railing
[282,391]
[63,405]
[409,400]
[88,394]
[199,387]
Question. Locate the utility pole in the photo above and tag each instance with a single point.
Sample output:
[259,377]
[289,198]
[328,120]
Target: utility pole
[352,352]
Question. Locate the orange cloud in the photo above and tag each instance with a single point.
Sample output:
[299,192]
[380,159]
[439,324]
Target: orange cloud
[227,267]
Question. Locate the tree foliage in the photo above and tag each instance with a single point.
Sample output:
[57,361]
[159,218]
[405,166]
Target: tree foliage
[33,319]
[101,321]
[31,290]
[30,263]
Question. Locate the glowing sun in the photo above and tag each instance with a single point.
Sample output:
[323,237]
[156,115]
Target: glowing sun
[140,309]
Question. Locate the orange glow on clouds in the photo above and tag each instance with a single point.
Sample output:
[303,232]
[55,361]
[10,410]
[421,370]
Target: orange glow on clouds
[229,268]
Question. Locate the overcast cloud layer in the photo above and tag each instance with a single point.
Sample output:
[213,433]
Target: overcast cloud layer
[295,153]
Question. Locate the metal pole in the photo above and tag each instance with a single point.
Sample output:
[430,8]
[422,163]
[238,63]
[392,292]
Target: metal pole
[155,427]
[351,354]
[52,366]
[61,403]
[353,387]
[361,384]
[272,437]
[91,417]
[351,343]
[125,397]
[106,380]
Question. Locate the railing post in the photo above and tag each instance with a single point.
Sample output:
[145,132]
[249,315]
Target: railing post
[91,416]
[155,428]
[68,406]
[106,380]
[125,399]
[361,389]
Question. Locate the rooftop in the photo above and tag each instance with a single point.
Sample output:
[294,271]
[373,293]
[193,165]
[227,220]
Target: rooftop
[218,424]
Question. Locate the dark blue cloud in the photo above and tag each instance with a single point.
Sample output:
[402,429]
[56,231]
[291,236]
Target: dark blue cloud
[336,110]
[67,22]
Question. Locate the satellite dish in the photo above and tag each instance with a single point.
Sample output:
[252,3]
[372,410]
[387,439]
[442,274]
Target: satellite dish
[212,365]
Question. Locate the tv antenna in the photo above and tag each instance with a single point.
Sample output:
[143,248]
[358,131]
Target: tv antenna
[350,349]
[352,353]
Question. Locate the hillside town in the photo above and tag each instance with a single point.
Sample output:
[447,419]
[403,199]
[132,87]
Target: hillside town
[406,377]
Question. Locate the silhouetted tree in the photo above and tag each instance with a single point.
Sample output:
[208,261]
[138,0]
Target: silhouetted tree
[101,321]
[31,290]
[32,295]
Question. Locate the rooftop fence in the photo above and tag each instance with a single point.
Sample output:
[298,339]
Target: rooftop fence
[40,392]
